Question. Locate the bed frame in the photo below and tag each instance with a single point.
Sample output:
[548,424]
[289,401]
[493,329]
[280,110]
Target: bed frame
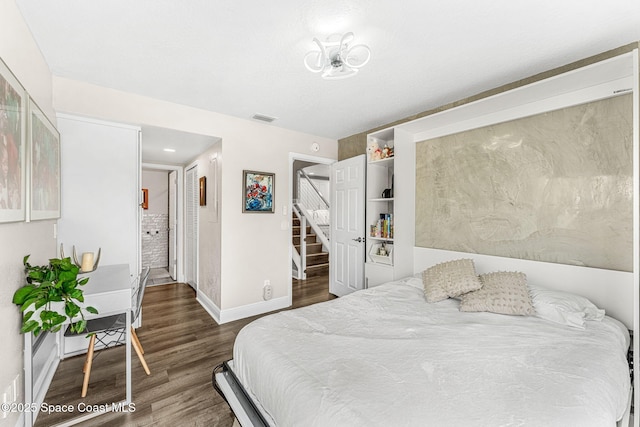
[611,290]
[228,386]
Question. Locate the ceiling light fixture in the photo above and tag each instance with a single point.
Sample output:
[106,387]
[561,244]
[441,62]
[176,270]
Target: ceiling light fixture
[336,58]
[169,150]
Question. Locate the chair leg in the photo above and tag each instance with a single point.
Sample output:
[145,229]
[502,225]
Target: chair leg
[140,356]
[135,337]
[87,365]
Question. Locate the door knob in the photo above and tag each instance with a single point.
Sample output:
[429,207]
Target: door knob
[359,239]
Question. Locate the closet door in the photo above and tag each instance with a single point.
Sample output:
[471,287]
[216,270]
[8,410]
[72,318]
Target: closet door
[100,190]
[191,222]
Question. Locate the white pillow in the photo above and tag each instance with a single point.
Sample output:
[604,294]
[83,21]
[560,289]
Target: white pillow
[564,307]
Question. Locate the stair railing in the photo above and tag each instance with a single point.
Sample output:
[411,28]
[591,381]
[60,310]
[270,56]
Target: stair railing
[300,259]
[302,213]
[310,196]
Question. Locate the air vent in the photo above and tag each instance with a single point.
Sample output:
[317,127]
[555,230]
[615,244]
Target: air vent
[263,118]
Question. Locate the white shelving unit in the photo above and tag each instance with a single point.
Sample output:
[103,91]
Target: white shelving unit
[380,212]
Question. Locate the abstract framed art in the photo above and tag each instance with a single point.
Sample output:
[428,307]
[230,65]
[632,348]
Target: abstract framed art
[203,190]
[13,107]
[44,143]
[257,192]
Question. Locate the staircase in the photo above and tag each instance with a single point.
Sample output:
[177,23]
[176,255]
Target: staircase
[317,259]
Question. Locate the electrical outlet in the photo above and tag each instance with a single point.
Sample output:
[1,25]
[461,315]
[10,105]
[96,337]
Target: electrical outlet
[267,291]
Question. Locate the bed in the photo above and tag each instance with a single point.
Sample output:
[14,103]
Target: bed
[386,356]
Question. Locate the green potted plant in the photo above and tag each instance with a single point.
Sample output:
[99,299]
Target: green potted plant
[50,297]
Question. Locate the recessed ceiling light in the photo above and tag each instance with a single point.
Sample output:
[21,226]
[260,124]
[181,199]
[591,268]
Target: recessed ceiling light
[169,150]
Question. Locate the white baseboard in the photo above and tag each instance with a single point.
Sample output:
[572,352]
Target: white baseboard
[209,306]
[254,309]
[237,313]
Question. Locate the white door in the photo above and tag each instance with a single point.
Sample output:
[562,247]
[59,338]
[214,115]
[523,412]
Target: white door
[173,187]
[191,223]
[346,266]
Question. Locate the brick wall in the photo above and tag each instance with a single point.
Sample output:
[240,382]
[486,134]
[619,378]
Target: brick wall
[155,240]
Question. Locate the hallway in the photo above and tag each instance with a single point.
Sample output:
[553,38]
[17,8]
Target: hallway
[159,276]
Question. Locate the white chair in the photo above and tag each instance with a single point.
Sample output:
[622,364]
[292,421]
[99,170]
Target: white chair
[110,330]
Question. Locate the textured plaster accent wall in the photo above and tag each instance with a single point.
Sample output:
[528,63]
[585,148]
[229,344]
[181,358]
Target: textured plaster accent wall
[155,240]
[555,187]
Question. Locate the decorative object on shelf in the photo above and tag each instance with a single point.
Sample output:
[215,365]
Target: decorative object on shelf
[376,153]
[51,293]
[381,253]
[13,107]
[203,191]
[336,57]
[258,192]
[44,142]
[87,265]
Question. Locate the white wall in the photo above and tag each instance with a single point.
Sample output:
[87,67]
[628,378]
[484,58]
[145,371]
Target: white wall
[21,54]
[254,247]
[157,182]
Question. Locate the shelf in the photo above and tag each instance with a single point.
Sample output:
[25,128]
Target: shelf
[381,199]
[382,162]
[380,239]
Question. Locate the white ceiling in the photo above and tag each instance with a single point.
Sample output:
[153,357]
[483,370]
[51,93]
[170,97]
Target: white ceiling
[245,57]
[187,146]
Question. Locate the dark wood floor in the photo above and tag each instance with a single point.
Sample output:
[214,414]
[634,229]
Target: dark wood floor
[182,345]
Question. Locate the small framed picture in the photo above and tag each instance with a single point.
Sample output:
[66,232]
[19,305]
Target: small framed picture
[145,198]
[257,192]
[203,191]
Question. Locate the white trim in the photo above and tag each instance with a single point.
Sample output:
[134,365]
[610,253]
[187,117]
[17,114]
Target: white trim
[254,309]
[97,121]
[636,228]
[209,306]
[179,213]
[293,156]
[597,81]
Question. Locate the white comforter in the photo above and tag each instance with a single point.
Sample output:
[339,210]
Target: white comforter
[386,357]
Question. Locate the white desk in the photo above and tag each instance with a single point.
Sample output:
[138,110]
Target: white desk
[109,291]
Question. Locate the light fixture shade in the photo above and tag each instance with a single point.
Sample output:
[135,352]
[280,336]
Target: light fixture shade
[336,58]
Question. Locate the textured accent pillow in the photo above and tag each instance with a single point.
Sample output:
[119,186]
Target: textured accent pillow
[503,292]
[564,308]
[450,279]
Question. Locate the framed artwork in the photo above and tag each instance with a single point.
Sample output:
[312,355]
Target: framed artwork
[257,192]
[145,198]
[13,117]
[44,143]
[203,191]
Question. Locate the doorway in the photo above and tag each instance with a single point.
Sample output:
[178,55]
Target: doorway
[161,223]
[301,161]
